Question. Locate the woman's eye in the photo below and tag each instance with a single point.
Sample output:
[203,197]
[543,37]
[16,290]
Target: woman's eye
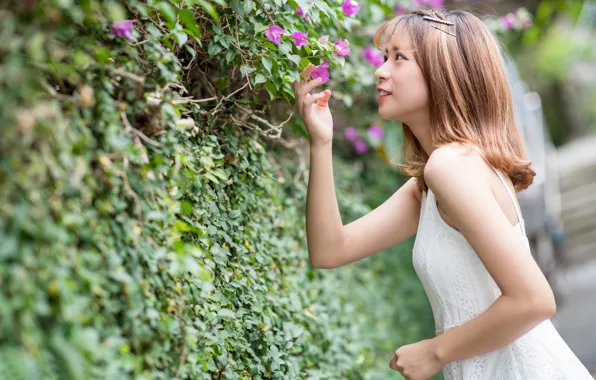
[384,58]
[397,57]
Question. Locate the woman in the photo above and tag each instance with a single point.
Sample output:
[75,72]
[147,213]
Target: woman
[443,78]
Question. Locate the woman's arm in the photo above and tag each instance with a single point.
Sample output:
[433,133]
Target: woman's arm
[461,186]
[330,243]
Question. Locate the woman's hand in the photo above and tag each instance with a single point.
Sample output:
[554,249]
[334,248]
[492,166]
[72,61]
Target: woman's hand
[314,109]
[416,361]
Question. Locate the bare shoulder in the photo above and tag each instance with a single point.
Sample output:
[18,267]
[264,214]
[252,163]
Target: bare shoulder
[455,163]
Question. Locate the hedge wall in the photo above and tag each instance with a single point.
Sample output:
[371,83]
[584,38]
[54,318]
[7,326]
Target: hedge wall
[151,210]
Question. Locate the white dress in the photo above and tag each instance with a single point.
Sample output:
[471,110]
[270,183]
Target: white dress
[459,288]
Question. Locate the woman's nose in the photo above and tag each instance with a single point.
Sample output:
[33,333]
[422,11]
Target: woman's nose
[381,73]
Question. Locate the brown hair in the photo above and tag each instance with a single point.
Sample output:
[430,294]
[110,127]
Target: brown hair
[469,96]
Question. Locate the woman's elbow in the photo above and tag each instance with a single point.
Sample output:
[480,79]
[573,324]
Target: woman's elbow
[319,263]
[544,306]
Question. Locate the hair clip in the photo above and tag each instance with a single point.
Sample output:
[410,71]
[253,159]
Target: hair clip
[446,31]
[437,20]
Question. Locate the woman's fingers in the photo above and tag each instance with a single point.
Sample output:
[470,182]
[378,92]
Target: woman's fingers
[308,87]
[305,74]
[324,101]
[310,100]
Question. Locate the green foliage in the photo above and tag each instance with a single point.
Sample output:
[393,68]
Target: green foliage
[149,226]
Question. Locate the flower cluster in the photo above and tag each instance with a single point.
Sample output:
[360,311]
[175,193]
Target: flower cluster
[341,48]
[375,134]
[520,19]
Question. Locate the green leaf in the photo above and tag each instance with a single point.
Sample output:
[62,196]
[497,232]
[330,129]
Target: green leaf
[267,63]
[260,78]
[181,37]
[285,48]
[259,27]
[303,63]
[237,7]
[270,86]
[168,12]
[189,21]
[209,9]
[295,58]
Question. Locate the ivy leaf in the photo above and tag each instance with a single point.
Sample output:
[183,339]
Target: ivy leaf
[237,7]
[208,8]
[189,22]
[168,12]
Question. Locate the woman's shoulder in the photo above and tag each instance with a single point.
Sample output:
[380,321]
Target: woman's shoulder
[453,163]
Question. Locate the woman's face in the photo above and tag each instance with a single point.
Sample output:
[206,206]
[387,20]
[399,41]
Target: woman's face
[402,92]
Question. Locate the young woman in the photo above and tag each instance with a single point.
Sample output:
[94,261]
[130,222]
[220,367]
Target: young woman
[443,78]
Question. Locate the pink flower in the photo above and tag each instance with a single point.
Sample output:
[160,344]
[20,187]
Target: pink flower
[274,33]
[375,58]
[350,7]
[343,48]
[301,13]
[122,28]
[351,134]
[435,4]
[300,39]
[324,39]
[322,72]
[508,21]
[399,10]
[375,132]
[360,146]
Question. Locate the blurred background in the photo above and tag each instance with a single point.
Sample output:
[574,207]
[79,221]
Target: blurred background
[153,178]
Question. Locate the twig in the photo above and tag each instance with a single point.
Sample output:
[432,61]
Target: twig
[191,100]
[128,75]
[139,43]
[183,336]
[215,110]
[129,127]
[131,192]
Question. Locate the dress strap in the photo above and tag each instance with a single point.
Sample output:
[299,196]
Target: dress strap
[517,211]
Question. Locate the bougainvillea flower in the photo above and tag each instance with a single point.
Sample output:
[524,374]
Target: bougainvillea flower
[324,39]
[436,4]
[302,13]
[300,39]
[322,72]
[508,21]
[122,28]
[350,7]
[274,33]
[375,132]
[343,48]
[351,134]
[399,10]
[360,146]
[375,58]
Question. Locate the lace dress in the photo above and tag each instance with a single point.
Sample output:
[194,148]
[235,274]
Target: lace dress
[459,288]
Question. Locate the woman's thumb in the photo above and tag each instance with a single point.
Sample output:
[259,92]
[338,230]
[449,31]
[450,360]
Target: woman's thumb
[324,100]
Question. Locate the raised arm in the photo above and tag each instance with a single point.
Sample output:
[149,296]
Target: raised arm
[330,243]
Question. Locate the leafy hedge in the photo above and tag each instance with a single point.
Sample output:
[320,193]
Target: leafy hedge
[151,209]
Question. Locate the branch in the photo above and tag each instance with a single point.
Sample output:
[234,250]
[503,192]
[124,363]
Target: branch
[131,76]
[136,131]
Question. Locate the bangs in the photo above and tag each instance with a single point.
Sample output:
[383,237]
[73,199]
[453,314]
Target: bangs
[386,31]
